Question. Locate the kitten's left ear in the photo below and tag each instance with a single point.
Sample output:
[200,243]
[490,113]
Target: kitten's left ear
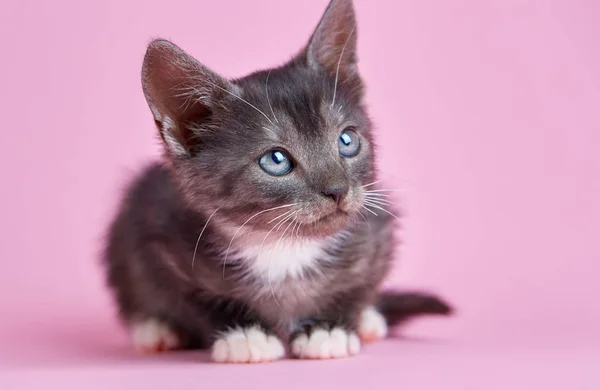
[333,44]
[181,93]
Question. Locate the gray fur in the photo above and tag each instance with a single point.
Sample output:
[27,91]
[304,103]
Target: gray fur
[214,131]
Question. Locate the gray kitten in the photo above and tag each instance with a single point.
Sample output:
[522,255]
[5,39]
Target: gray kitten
[262,232]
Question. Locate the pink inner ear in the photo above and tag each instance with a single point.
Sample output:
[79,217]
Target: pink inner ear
[175,83]
[179,91]
[333,44]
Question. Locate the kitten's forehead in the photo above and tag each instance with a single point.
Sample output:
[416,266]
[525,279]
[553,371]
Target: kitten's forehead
[297,103]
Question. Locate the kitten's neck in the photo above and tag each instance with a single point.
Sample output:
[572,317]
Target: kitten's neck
[272,257]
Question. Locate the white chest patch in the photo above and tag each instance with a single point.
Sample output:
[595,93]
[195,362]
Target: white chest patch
[287,258]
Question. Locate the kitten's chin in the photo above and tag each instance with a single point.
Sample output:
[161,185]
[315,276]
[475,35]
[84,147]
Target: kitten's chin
[327,225]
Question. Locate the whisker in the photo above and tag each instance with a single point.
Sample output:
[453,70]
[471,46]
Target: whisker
[244,224]
[243,100]
[280,224]
[299,225]
[271,285]
[386,190]
[270,258]
[371,203]
[369,210]
[279,216]
[267,92]
[295,225]
[372,183]
[190,90]
[283,234]
[337,71]
[377,195]
[277,225]
[270,131]
[200,236]
[262,244]
[380,200]
[364,217]
[382,209]
[377,201]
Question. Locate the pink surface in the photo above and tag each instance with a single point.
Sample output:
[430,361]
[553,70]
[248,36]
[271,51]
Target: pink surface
[489,118]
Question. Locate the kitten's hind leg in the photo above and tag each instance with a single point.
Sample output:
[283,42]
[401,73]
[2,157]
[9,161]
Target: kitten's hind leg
[372,325]
[152,335]
[394,308]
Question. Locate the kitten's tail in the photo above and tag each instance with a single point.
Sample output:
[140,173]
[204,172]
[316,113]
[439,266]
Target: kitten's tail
[397,307]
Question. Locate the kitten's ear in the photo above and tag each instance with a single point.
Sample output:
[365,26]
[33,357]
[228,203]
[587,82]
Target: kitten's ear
[333,44]
[180,92]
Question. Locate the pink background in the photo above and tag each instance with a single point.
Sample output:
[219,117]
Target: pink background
[489,119]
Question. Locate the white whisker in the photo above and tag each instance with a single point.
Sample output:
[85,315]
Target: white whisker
[283,221]
[369,210]
[384,202]
[385,190]
[277,226]
[364,217]
[299,225]
[377,194]
[370,202]
[280,216]
[262,244]
[282,235]
[270,131]
[382,209]
[244,224]
[243,100]
[372,183]
[200,236]
[267,92]
[337,72]
[270,258]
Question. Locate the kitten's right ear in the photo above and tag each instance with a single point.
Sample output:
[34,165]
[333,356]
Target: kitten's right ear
[180,92]
[333,44]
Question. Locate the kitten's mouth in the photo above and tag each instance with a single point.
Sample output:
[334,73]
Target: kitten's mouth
[330,216]
[327,224]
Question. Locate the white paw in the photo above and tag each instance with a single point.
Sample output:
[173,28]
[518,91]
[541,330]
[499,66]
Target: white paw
[322,344]
[372,325]
[153,336]
[249,345]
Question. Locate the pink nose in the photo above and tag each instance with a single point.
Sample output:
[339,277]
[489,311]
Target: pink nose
[337,193]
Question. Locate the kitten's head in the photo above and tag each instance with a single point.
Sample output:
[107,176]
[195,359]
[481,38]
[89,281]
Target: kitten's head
[286,144]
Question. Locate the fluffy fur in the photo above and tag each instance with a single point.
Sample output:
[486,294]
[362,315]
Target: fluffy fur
[210,250]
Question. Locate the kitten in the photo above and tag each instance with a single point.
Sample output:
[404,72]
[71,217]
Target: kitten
[261,234]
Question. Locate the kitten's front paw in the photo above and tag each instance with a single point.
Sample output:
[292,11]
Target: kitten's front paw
[150,336]
[248,345]
[326,344]
[372,326]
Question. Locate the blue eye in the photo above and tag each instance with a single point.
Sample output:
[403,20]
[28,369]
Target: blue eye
[276,163]
[349,143]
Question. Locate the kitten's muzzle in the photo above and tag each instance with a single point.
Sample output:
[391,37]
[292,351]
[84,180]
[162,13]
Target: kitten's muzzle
[337,193]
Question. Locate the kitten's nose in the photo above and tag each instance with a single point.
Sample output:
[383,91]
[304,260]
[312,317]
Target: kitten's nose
[337,193]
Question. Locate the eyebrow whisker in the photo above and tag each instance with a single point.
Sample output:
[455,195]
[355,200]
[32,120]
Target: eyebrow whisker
[267,93]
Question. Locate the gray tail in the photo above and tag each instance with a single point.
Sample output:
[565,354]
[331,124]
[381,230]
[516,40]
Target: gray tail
[398,307]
